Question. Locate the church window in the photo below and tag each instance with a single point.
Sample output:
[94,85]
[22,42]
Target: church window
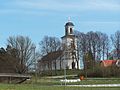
[71,31]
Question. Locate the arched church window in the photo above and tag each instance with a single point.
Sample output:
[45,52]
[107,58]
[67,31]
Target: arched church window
[71,31]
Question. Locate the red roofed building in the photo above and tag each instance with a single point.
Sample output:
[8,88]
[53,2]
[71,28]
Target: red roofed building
[108,63]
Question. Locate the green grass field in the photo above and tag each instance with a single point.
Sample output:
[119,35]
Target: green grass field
[55,84]
[39,87]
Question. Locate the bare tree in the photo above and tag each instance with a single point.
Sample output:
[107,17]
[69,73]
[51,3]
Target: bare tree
[84,54]
[103,46]
[92,39]
[49,44]
[116,43]
[21,48]
[92,46]
[81,45]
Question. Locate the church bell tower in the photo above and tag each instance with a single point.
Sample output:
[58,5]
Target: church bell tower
[69,46]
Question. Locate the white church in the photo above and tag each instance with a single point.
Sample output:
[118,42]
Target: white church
[67,57]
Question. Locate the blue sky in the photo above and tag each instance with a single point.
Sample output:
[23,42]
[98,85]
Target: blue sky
[37,18]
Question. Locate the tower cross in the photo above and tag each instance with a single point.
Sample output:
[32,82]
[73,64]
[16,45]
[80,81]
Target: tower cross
[68,19]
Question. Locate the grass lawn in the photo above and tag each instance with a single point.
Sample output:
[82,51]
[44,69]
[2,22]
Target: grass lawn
[39,87]
[55,84]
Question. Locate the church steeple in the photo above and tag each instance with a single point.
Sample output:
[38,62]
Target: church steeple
[69,46]
[69,28]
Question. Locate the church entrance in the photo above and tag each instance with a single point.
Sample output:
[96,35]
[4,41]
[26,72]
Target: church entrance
[73,65]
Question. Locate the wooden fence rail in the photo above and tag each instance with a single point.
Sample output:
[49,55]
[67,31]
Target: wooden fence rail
[13,78]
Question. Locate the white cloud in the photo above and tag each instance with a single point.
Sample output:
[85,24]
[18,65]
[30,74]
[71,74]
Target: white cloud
[104,5]
[47,6]
[68,5]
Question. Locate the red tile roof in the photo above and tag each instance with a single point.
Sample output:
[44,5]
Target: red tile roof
[107,63]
